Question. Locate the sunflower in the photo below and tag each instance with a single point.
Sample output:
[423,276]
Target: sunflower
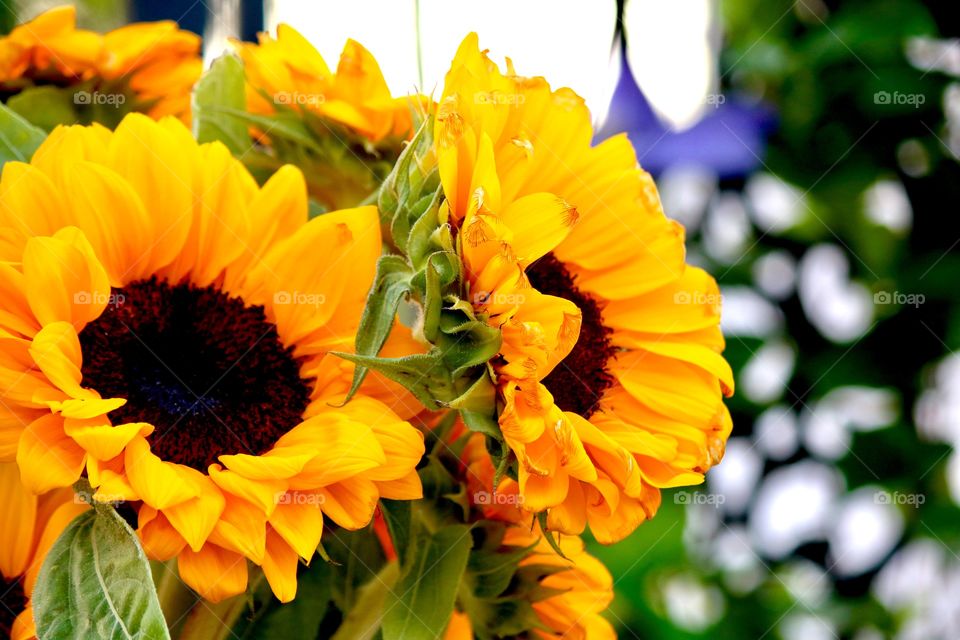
[31,524]
[610,375]
[165,328]
[577,586]
[583,586]
[289,71]
[155,63]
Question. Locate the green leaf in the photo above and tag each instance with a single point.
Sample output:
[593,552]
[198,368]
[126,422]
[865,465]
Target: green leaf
[391,284]
[18,138]
[363,620]
[283,125]
[423,374]
[222,86]
[95,583]
[45,106]
[398,516]
[300,618]
[420,605]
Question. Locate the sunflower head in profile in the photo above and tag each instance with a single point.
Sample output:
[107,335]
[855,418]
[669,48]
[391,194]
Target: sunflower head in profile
[355,126]
[146,67]
[607,369]
[165,331]
[552,595]
[31,524]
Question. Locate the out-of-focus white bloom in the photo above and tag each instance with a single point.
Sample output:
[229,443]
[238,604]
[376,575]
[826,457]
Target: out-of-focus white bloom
[866,528]
[775,273]
[886,203]
[765,376]
[748,314]
[568,42]
[775,205]
[775,432]
[840,309]
[683,33]
[685,192]
[794,506]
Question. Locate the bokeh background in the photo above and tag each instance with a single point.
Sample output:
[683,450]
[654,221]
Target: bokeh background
[811,149]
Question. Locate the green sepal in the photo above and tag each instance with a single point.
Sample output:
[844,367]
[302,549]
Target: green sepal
[469,348]
[433,303]
[542,519]
[422,241]
[391,285]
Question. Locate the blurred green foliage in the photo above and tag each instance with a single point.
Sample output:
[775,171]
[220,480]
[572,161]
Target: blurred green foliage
[822,65]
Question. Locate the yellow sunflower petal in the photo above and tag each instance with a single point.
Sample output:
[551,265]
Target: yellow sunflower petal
[56,351]
[213,572]
[297,519]
[64,279]
[195,518]
[18,511]
[47,457]
[242,528]
[280,567]
[351,503]
[159,484]
[160,540]
[102,440]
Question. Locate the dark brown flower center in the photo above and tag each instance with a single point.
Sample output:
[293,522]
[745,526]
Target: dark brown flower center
[579,381]
[12,602]
[206,370]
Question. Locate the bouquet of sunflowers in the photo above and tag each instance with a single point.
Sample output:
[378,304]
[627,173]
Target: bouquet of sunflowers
[283,355]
